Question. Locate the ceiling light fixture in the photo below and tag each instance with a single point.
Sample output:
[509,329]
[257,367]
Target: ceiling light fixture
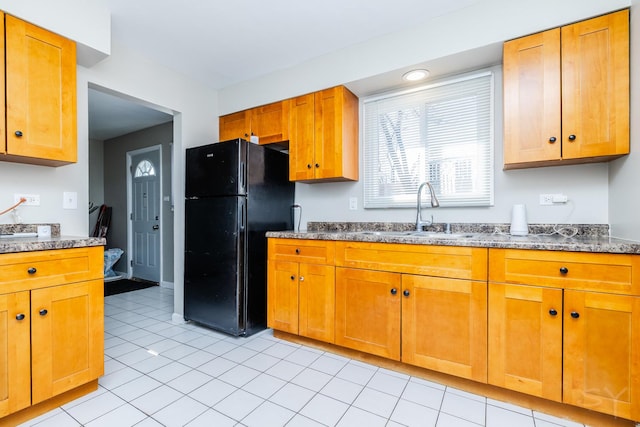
[415,75]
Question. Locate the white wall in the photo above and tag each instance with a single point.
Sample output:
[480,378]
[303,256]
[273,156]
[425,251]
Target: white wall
[96,179]
[485,23]
[625,173]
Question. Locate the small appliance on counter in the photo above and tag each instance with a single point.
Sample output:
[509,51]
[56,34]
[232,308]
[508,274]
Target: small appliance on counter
[519,226]
[235,192]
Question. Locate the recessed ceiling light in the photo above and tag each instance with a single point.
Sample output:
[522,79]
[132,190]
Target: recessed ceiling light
[415,75]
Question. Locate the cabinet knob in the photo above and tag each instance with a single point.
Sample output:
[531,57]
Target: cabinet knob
[246,135]
[406,292]
[293,277]
[302,278]
[317,165]
[32,270]
[43,312]
[394,291]
[575,314]
[564,270]
[572,137]
[18,133]
[553,312]
[552,139]
[308,165]
[20,316]
[297,251]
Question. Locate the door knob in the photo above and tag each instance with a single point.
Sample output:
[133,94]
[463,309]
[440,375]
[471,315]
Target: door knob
[156,227]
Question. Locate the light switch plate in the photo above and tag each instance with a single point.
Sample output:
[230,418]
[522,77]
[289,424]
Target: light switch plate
[69,200]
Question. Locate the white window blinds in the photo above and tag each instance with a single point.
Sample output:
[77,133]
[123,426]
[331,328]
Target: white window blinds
[441,133]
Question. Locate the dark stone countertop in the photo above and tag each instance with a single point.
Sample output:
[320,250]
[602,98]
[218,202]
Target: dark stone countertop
[28,244]
[584,238]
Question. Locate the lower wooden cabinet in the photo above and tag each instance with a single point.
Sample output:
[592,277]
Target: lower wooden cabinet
[51,333]
[15,352]
[67,340]
[602,353]
[444,325]
[525,339]
[368,308]
[301,299]
[432,322]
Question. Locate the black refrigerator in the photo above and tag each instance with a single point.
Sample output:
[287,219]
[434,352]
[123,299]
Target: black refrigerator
[235,192]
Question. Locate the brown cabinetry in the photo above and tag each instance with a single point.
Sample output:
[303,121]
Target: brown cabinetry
[324,136]
[269,123]
[52,319]
[563,326]
[398,289]
[566,94]
[40,79]
[301,288]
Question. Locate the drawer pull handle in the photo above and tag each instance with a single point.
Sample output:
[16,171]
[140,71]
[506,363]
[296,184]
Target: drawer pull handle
[297,251]
[564,270]
[43,312]
[394,291]
[575,314]
[32,270]
[20,316]
[406,292]
[553,312]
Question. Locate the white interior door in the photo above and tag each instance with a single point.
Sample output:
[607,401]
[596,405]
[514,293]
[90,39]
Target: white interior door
[145,215]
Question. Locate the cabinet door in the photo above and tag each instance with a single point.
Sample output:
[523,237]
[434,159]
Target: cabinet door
[271,122]
[368,311]
[317,302]
[40,66]
[444,325]
[67,324]
[336,134]
[236,125]
[532,98]
[595,87]
[282,296]
[301,138]
[525,339]
[601,353]
[15,353]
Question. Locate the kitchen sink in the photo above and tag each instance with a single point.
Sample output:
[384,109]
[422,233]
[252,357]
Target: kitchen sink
[386,233]
[425,234]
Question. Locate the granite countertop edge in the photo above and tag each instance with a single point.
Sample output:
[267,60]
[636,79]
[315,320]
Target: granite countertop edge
[595,244]
[29,244]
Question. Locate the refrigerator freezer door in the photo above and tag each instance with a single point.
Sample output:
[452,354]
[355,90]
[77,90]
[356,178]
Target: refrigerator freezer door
[215,251]
[216,169]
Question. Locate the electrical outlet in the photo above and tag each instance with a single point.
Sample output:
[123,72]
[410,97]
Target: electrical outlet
[32,199]
[353,203]
[553,199]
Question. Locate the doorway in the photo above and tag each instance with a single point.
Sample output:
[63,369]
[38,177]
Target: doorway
[119,125]
[144,189]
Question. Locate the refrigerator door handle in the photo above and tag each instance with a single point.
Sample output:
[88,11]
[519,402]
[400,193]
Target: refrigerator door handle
[243,214]
[243,176]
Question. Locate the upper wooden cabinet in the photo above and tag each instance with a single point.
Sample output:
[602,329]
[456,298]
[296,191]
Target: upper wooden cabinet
[270,123]
[40,95]
[566,94]
[324,136]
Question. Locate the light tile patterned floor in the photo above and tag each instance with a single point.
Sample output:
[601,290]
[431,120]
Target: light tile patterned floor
[161,374]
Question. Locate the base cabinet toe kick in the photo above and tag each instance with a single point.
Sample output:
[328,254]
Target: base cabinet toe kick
[561,327]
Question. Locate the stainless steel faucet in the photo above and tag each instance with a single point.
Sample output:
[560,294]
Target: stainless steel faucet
[434,204]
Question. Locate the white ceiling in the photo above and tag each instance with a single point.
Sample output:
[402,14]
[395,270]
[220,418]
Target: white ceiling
[220,43]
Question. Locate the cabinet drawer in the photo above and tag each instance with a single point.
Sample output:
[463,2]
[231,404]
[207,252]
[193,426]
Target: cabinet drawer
[37,269]
[616,273]
[305,251]
[442,261]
